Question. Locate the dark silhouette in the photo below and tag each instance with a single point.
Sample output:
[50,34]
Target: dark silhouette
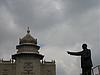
[86,62]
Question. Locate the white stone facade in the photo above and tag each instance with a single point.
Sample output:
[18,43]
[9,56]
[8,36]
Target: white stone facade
[27,60]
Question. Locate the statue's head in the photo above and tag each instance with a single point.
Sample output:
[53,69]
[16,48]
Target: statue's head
[84,46]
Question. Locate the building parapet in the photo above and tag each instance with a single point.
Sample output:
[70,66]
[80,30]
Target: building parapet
[2,61]
[48,62]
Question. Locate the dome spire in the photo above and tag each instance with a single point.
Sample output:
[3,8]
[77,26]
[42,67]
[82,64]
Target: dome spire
[28,30]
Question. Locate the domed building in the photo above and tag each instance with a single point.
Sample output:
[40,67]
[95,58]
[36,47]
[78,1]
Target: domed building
[27,60]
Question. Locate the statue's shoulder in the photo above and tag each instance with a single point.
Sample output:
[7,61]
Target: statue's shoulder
[89,50]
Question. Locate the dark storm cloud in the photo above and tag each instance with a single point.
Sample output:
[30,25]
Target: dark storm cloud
[31,12]
[75,8]
[2,2]
[58,24]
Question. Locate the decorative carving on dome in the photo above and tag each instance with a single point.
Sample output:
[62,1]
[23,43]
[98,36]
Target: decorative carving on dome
[28,38]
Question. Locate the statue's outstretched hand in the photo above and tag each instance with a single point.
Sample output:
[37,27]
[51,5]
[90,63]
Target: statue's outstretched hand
[68,52]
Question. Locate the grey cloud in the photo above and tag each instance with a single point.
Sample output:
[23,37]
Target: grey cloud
[74,8]
[33,13]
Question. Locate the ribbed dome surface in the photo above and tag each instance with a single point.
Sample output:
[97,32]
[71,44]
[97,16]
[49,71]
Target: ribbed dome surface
[28,39]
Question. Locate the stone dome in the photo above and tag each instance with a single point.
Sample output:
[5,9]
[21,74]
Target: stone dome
[28,39]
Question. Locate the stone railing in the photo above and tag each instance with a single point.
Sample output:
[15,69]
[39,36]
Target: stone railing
[2,61]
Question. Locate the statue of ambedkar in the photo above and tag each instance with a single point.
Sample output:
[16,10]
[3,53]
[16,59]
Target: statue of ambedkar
[86,62]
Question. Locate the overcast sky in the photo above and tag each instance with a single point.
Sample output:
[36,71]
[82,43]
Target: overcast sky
[59,25]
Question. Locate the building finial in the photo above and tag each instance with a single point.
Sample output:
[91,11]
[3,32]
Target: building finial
[28,30]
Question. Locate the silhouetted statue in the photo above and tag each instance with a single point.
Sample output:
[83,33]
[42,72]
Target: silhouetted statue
[86,62]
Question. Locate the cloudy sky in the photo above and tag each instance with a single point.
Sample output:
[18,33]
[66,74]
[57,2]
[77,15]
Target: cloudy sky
[59,25]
